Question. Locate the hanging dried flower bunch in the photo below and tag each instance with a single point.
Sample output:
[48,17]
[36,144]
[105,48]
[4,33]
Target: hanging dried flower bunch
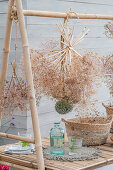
[61,72]
[77,83]
[15,95]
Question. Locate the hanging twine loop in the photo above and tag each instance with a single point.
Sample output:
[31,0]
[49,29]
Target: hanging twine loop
[69,15]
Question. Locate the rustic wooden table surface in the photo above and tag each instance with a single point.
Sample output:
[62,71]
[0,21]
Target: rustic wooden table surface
[29,161]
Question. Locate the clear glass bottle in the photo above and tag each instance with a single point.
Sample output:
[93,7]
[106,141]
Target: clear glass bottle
[57,140]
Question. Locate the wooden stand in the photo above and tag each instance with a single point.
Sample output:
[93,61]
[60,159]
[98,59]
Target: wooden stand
[20,13]
[27,64]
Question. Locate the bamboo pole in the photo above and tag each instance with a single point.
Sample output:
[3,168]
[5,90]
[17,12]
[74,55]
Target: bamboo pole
[71,15]
[28,70]
[15,166]
[5,135]
[5,52]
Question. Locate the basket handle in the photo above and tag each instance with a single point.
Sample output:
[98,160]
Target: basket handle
[104,105]
[65,121]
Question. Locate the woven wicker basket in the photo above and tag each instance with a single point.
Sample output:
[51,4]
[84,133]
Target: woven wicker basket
[109,111]
[93,131]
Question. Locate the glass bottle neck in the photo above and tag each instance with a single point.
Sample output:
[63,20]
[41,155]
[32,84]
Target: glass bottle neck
[56,124]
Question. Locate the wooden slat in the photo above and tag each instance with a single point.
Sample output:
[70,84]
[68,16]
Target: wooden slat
[105,159]
[107,155]
[25,161]
[62,165]
[13,160]
[105,148]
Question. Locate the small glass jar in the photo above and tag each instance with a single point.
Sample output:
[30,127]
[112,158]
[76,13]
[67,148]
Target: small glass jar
[74,144]
[57,140]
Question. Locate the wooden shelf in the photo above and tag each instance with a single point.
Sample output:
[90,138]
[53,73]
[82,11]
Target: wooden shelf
[30,162]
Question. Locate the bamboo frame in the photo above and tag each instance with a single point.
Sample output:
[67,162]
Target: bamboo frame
[6,46]
[71,15]
[29,77]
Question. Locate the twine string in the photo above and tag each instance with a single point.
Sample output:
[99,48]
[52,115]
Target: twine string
[68,15]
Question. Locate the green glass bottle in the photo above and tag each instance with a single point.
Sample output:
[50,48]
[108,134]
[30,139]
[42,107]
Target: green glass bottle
[57,140]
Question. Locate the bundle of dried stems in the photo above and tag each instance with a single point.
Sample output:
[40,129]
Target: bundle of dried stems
[62,73]
[77,84]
